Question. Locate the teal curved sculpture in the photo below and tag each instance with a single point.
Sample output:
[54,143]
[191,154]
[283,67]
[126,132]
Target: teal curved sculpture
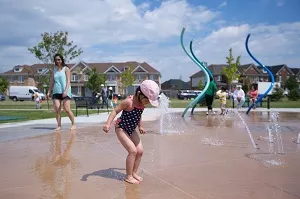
[209,72]
[200,96]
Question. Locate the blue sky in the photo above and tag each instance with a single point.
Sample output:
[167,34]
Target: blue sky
[137,30]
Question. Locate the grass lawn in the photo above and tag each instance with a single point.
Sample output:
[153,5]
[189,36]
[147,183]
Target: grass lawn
[16,108]
[37,114]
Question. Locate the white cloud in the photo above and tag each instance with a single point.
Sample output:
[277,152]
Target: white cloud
[119,30]
[223,4]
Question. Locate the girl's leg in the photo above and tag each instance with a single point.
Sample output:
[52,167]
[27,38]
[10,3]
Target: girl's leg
[57,108]
[132,151]
[139,148]
[67,108]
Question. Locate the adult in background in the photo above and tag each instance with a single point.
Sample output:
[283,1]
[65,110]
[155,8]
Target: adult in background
[110,94]
[104,95]
[61,94]
[209,95]
[239,96]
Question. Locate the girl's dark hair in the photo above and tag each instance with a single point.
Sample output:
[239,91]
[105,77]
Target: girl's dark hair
[223,88]
[61,57]
[138,89]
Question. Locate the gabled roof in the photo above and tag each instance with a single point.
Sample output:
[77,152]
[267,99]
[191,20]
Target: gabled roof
[296,71]
[216,69]
[100,67]
[176,83]
[275,69]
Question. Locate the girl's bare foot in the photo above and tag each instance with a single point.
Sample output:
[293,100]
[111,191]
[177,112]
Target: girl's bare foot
[73,127]
[131,180]
[137,177]
[58,128]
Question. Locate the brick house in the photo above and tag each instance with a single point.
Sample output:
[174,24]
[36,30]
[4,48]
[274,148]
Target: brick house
[30,75]
[248,72]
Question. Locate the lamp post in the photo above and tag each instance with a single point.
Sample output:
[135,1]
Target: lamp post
[78,89]
[45,91]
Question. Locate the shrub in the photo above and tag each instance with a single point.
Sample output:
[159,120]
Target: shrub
[277,94]
[294,95]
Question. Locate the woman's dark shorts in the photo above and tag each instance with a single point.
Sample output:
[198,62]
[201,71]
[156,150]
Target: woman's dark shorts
[60,97]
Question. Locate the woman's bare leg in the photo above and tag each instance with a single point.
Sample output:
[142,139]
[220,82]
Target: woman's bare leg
[57,108]
[67,108]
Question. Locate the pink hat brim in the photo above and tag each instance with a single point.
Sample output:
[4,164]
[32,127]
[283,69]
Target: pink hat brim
[154,102]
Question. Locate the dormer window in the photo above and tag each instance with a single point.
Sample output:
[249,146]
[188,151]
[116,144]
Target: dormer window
[18,69]
[40,70]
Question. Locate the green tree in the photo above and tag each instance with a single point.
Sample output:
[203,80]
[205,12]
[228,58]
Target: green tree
[55,43]
[3,85]
[231,71]
[294,95]
[291,83]
[200,85]
[127,77]
[51,44]
[95,81]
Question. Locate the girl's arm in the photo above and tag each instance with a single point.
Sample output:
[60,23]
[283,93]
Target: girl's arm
[68,76]
[122,106]
[141,129]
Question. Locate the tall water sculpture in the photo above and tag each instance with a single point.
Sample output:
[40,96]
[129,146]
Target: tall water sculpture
[201,95]
[207,70]
[265,68]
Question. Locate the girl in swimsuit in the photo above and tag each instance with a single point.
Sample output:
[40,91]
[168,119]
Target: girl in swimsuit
[132,109]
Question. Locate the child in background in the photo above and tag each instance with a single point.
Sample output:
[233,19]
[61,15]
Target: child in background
[222,96]
[115,101]
[37,100]
[132,109]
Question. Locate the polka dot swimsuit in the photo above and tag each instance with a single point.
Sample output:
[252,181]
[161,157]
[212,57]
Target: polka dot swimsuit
[130,119]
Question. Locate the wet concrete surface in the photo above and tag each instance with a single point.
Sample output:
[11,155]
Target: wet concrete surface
[193,157]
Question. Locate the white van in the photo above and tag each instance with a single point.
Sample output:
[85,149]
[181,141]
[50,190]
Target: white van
[24,93]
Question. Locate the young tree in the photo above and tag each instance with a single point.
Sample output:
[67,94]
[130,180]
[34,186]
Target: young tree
[3,85]
[200,85]
[55,43]
[95,81]
[52,44]
[231,71]
[291,83]
[127,78]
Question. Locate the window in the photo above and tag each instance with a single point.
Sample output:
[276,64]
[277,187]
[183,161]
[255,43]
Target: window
[140,77]
[151,77]
[21,79]
[111,77]
[74,77]
[279,78]
[11,79]
[86,77]
[219,78]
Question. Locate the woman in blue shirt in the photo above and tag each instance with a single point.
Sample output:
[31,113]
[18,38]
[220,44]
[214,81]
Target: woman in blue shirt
[61,85]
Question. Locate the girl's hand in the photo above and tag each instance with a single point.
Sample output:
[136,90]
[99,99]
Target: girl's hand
[142,131]
[106,128]
[48,95]
[64,95]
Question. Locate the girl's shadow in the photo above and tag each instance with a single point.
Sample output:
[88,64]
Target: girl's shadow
[106,173]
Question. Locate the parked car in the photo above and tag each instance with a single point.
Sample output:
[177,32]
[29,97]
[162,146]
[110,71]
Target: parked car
[188,94]
[2,97]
